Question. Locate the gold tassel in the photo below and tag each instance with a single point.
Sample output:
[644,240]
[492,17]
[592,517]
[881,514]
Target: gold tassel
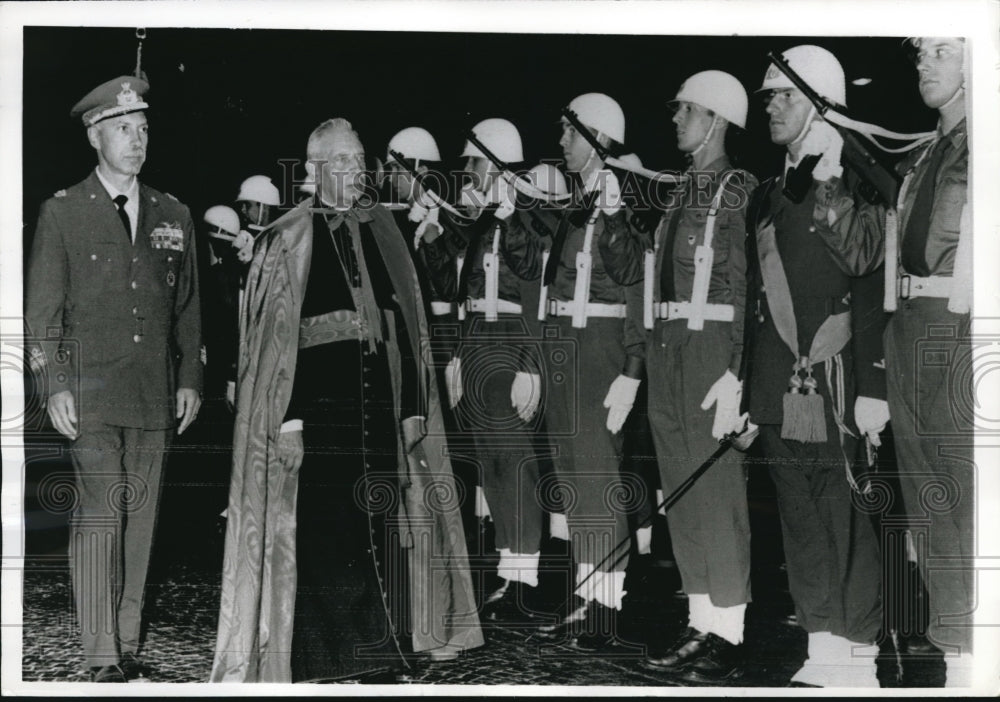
[802,407]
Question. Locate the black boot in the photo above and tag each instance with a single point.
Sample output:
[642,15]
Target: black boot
[597,631]
[568,626]
[689,646]
[720,663]
[514,604]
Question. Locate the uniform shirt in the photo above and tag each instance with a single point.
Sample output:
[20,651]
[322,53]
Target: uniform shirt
[131,204]
[855,231]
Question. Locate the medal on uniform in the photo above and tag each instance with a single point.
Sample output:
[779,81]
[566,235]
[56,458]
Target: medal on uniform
[169,235]
[171,278]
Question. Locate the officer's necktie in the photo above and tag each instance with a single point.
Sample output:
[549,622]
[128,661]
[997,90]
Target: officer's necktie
[913,253]
[120,201]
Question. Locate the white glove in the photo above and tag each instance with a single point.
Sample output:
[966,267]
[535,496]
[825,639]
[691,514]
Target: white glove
[619,401]
[725,394]
[501,193]
[525,394]
[871,416]
[453,381]
[231,395]
[244,246]
[429,227]
[609,201]
[825,141]
[420,206]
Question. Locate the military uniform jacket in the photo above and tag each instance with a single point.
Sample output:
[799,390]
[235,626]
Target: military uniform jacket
[117,324]
[819,287]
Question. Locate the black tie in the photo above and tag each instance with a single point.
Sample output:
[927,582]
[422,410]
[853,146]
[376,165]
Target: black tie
[120,201]
[913,254]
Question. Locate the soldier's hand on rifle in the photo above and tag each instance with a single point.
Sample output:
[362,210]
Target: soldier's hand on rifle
[605,183]
[453,381]
[526,394]
[871,416]
[824,141]
[429,227]
[244,246]
[725,394]
[290,450]
[619,401]
[502,194]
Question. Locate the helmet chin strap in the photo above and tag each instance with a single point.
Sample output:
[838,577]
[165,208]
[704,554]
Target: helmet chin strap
[708,135]
[954,98]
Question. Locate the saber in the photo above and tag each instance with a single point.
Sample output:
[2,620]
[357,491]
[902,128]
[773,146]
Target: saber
[669,501]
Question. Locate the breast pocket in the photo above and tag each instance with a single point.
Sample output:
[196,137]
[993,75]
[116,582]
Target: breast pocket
[97,270]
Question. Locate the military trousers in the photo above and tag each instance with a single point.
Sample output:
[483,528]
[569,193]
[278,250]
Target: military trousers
[581,364]
[929,383]
[710,524]
[119,473]
[831,550]
[503,446]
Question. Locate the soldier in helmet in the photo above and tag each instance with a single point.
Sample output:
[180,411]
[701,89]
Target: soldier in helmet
[494,378]
[586,409]
[926,245]
[258,202]
[693,359]
[814,347]
[221,299]
[113,283]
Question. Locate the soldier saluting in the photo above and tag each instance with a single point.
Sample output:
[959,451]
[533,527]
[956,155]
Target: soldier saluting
[112,280]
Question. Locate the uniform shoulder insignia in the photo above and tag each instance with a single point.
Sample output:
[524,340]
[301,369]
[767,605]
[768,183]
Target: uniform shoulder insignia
[171,197]
[60,193]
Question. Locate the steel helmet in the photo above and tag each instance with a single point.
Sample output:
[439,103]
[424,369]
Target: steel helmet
[415,143]
[820,70]
[223,218]
[260,189]
[500,136]
[717,91]
[547,178]
[600,112]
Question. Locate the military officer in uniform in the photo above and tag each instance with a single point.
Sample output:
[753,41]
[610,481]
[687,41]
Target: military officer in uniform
[112,282]
[814,341]
[926,244]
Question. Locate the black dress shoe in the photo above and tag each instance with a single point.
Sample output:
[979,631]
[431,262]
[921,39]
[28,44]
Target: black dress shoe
[107,674]
[133,669]
[689,646]
[511,604]
[597,630]
[719,664]
[568,626]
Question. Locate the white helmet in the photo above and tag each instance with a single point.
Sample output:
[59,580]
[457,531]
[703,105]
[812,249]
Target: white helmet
[547,178]
[415,143]
[260,189]
[225,220]
[820,70]
[600,112]
[500,136]
[717,91]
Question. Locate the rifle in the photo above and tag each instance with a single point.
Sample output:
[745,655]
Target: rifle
[881,181]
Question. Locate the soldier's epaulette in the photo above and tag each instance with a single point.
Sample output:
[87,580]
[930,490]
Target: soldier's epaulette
[60,193]
[171,197]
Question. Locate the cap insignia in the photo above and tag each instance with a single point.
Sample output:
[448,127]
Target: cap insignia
[127,96]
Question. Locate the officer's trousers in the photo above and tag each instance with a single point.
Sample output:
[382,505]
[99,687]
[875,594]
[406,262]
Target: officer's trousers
[118,478]
[928,364]
[596,498]
[491,354]
[709,525]
[831,551]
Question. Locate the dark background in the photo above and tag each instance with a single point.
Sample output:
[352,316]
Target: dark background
[227,104]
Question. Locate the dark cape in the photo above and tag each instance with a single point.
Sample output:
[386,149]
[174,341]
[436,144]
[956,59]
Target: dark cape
[259,570]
